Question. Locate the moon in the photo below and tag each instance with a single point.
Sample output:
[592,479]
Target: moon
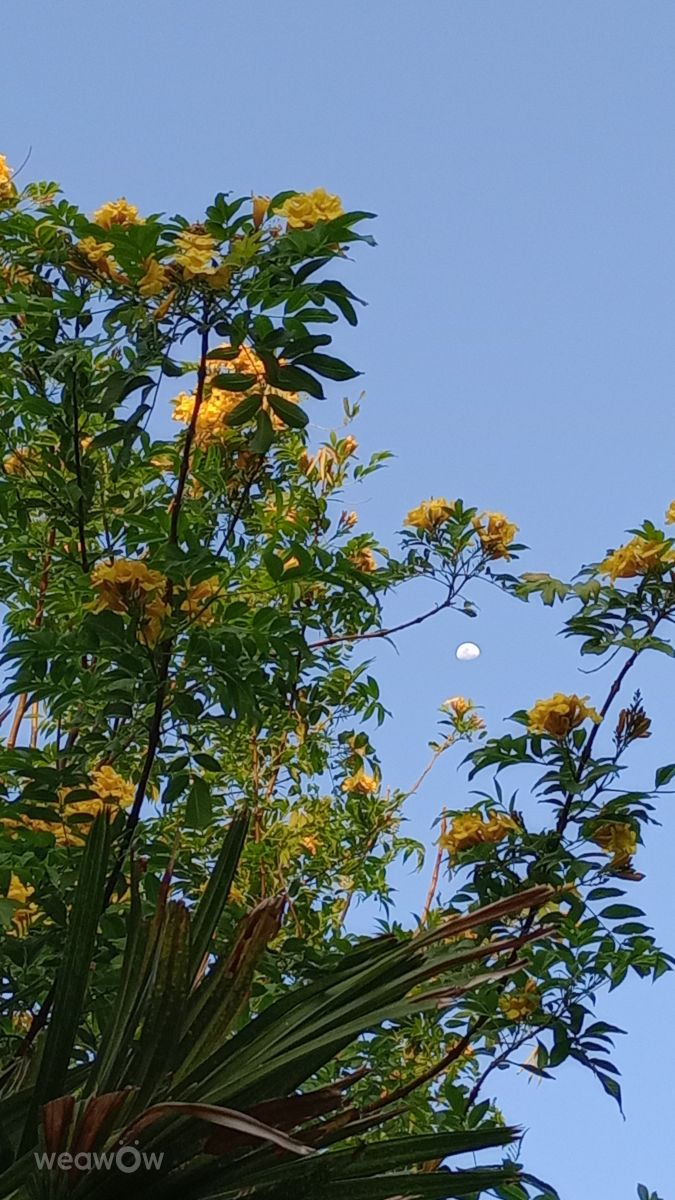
[467,651]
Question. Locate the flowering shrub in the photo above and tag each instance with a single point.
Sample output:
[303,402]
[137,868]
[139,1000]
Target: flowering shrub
[190,611]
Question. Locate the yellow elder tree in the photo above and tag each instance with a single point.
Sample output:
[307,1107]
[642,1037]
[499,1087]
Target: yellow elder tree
[190,611]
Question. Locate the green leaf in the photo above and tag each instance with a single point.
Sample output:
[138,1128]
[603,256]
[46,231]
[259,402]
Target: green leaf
[327,366]
[291,414]
[210,907]
[664,775]
[617,912]
[199,809]
[75,970]
[120,385]
[263,436]
[233,381]
[244,411]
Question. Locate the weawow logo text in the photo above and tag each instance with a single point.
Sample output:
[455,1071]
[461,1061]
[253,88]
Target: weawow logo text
[126,1159]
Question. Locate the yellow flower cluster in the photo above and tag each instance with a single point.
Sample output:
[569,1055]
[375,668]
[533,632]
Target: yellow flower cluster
[670,513]
[360,784]
[194,251]
[495,534]
[116,212]
[109,790]
[469,829]
[307,208]
[218,402]
[7,188]
[429,515]
[519,1004]
[616,838]
[128,586]
[637,557]
[560,714]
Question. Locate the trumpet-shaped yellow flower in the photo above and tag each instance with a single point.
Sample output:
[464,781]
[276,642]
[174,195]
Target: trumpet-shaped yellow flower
[360,784]
[307,208]
[155,279]
[560,714]
[519,1004]
[430,514]
[364,560]
[7,188]
[116,212]
[22,917]
[638,557]
[260,206]
[495,534]
[470,829]
[198,604]
[616,838]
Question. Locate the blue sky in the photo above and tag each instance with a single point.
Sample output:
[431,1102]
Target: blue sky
[518,347]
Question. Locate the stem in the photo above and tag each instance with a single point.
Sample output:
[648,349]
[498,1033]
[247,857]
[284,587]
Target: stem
[611,697]
[166,648]
[435,873]
[78,475]
[380,633]
[22,703]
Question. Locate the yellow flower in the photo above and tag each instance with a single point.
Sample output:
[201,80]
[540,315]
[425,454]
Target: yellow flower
[21,1021]
[110,792]
[291,563]
[197,604]
[306,208]
[637,557]
[362,784]
[20,461]
[364,560]
[560,714]
[122,582]
[128,586]
[519,1004]
[495,534]
[670,513]
[111,788]
[218,402]
[116,212]
[97,256]
[459,705]
[260,207]
[194,252]
[429,515]
[466,831]
[211,427]
[347,520]
[348,446]
[7,188]
[469,829]
[155,279]
[23,916]
[163,308]
[616,838]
